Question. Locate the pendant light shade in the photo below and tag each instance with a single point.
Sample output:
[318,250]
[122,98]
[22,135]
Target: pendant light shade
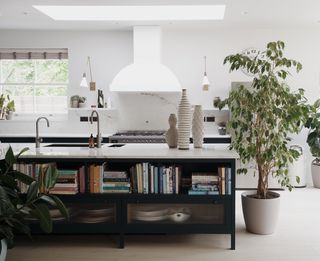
[84,82]
[205,81]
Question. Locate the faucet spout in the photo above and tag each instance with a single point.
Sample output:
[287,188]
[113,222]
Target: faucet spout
[38,139]
[99,138]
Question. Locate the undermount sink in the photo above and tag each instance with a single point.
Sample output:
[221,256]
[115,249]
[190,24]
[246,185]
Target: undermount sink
[68,145]
[116,145]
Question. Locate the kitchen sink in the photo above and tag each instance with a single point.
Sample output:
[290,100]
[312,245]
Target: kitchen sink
[68,145]
[116,145]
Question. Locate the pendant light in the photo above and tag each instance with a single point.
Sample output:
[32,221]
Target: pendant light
[205,81]
[84,82]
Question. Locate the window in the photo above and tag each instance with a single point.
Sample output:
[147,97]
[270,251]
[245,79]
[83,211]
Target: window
[37,80]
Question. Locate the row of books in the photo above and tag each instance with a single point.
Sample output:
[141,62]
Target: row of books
[144,178]
[67,181]
[149,179]
[211,183]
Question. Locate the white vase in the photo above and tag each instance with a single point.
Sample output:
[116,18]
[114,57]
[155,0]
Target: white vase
[184,122]
[197,127]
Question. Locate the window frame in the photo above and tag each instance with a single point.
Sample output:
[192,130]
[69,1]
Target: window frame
[33,115]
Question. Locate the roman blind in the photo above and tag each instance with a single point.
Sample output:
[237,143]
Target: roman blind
[24,54]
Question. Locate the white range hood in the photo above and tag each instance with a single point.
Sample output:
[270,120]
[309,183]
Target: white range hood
[147,73]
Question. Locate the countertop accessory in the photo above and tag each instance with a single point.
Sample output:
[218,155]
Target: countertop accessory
[74,101]
[197,127]
[222,130]
[205,81]
[216,101]
[82,102]
[38,139]
[84,82]
[100,99]
[172,132]
[184,122]
[91,141]
[99,138]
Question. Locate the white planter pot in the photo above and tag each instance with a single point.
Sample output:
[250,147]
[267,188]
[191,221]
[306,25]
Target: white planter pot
[315,170]
[3,251]
[260,215]
[9,116]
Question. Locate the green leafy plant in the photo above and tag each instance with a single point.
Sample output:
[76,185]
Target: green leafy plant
[82,99]
[10,105]
[264,115]
[15,208]
[313,139]
[2,99]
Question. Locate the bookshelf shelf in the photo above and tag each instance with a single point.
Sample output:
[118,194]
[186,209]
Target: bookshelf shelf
[132,213]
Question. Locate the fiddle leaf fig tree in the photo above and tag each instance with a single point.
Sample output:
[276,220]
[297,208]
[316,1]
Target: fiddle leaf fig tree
[264,115]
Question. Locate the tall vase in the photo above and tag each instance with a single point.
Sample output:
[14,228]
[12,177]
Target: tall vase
[197,127]
[184,122]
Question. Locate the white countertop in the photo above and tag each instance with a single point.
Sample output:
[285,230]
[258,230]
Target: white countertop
[132,151]
[80,135]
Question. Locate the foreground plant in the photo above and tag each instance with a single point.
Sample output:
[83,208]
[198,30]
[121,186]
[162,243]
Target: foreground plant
[16,208]
[264,115]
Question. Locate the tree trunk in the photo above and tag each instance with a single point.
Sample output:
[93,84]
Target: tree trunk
[262,183]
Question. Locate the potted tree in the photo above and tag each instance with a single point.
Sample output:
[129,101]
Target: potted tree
[313,140]
[263,117]
[16,208]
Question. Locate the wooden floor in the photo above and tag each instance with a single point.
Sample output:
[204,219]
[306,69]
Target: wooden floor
[297,238]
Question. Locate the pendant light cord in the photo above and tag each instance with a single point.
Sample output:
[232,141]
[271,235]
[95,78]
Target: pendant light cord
[89,62]
[205,65]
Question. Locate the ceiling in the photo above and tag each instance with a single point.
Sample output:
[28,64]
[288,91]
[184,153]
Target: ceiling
[19,14]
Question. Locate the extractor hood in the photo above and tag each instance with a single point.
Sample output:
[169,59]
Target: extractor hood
[147,73]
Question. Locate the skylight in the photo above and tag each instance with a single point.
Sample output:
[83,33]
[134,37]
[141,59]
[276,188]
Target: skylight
[134,13]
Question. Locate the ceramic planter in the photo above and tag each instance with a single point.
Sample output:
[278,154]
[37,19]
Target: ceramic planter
[260,215]
[315,170]
[184,122]
[9,116]
[197,127]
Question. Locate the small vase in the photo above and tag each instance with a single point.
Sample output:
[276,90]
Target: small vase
[184,122]
[197,127]
[172,133]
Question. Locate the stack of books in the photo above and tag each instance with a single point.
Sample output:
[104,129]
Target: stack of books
[67,182]
[204,184]
[211,183]
[149,179]
[115,182]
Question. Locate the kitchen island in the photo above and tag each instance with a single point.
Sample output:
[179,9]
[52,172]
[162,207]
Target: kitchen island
[149,212]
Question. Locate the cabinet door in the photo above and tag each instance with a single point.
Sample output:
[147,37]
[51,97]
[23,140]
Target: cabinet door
[178,214]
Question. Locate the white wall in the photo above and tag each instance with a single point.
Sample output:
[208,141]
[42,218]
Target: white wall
[183,52]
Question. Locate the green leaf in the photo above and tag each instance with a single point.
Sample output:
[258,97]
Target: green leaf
[59,204]
[21,152]
[41,211]
[23,177]
[10,158]
[32,191]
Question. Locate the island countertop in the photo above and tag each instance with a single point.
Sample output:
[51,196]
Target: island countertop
[128,151]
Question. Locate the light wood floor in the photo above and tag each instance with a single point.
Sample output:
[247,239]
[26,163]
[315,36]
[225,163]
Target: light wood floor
[297,238]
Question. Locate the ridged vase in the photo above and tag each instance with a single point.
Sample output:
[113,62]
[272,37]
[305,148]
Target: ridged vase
[197,127]
[184,122]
